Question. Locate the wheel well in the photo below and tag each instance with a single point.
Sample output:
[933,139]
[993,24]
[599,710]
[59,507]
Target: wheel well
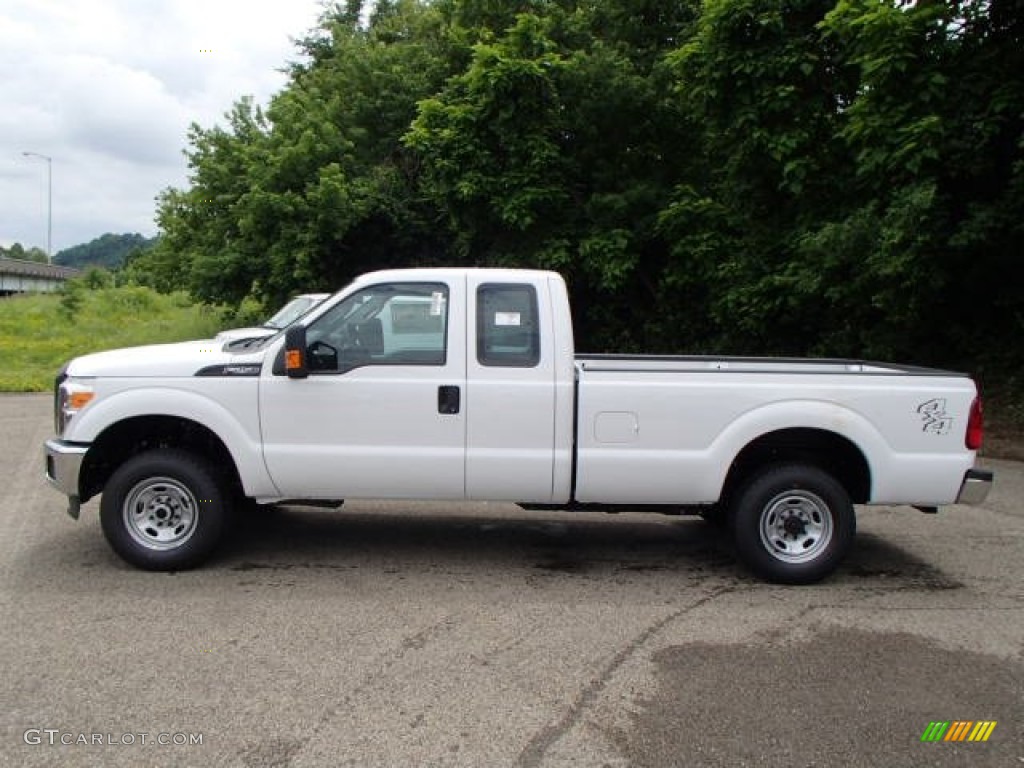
[127,438]
[826,450]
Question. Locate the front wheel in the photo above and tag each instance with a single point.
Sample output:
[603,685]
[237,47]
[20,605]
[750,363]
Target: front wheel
[164,510]
[793,523]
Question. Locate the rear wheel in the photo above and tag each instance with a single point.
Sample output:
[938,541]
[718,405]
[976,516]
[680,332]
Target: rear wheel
[164,510]
[793,523]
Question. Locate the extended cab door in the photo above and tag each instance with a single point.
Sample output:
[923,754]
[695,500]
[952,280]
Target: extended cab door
[511,392]
[382,412]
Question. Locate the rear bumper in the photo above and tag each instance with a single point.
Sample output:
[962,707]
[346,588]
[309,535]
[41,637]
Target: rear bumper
[975,487]
[63,466]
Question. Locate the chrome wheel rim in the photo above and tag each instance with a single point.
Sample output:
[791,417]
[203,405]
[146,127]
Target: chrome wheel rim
[160,513]
[796,526]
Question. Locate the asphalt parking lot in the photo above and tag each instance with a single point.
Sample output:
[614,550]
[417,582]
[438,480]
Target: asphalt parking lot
[392,634]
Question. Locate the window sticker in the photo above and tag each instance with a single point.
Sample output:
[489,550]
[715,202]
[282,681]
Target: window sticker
[507,318]
[436,303]
[411,315]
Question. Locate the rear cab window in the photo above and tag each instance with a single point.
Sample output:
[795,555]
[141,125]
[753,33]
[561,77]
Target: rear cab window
[508,332]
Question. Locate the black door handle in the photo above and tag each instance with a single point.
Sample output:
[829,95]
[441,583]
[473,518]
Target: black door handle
[448,398]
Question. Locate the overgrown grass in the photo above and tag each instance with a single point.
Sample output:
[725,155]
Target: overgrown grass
[39,333]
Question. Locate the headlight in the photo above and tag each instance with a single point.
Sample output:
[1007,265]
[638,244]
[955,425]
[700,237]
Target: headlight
[71,398]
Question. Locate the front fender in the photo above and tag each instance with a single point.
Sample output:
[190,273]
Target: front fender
[229,410]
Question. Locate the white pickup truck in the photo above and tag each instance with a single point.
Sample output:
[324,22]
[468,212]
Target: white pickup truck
[463,384]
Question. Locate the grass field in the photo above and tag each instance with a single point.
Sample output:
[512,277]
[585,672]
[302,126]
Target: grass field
[39,333]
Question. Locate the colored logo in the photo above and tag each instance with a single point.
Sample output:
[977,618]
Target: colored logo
[959,730]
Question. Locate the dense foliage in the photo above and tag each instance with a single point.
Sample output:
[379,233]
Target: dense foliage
[108,251]
[748,176]
[18,251]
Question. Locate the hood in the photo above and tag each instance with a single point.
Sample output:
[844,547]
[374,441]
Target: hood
[255,332]
[187,358]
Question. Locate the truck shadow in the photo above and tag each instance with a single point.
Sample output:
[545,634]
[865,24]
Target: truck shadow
[555,543]
[580,545]
[878,563]
[302,546]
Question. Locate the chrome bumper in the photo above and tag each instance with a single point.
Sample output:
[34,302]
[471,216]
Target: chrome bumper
[63,464]
[975,487]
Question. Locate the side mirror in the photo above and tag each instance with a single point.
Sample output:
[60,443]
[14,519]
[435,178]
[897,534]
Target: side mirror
[295,352]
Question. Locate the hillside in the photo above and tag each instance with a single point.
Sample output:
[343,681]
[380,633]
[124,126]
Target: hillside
[109,251]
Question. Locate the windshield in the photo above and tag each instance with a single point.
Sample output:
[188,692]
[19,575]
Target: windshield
[291,312]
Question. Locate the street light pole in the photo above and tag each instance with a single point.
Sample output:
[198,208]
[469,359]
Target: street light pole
[49,202]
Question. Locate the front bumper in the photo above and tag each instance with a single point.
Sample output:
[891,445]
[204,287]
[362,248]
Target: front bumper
[975,487]
[63,465]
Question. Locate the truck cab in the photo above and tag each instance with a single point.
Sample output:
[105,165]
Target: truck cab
[442,385]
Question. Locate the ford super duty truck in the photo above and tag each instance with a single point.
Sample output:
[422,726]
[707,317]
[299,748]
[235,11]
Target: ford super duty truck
[463,384]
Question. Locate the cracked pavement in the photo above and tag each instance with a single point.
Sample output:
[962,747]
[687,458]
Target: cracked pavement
[395,634]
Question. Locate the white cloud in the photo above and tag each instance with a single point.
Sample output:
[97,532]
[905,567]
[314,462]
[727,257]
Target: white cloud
[107,88]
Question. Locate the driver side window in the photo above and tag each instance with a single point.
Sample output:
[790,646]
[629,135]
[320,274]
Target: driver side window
[388,324]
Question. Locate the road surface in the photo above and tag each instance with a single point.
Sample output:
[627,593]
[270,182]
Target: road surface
[393,634]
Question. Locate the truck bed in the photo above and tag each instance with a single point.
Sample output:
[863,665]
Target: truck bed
[706,363]
[656,429]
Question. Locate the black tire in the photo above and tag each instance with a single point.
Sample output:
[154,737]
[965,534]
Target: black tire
[165,510]
[793,523]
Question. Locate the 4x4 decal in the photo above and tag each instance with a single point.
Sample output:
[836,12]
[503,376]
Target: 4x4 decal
[934,415]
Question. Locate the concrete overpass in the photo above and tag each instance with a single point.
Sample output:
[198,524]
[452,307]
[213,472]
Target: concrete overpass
[20,276]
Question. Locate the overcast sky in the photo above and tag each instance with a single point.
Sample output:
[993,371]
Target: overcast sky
[107,88]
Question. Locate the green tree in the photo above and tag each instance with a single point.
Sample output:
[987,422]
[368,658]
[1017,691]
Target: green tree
[937,129]
[319,187]
[766,88]
[864,167]
[96,278]
[556,148]
[750,176]
[18,251]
